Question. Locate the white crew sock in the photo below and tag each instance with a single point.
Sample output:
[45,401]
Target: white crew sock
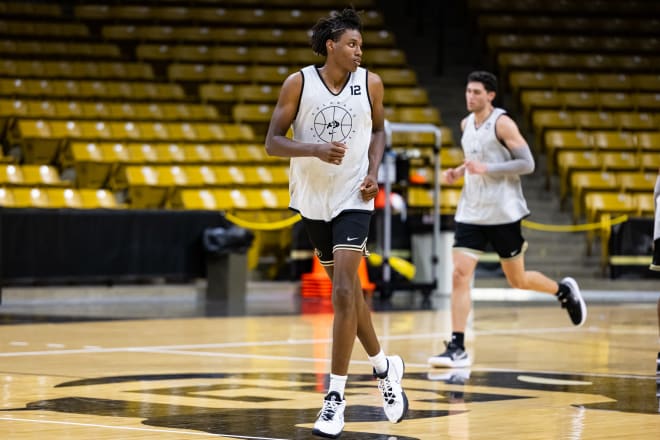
[379,362]
[338,384]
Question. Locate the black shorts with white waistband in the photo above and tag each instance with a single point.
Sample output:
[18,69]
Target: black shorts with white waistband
[348,231]
[506,239]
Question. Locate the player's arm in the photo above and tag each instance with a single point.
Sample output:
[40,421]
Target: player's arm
[369,187]
[278,144]
[451,175]
[522,161]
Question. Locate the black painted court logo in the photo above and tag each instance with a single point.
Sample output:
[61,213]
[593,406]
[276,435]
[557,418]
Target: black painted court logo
[333,123]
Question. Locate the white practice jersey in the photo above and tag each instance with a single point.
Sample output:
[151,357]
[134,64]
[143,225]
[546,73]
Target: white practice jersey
[320,190]
[488,200]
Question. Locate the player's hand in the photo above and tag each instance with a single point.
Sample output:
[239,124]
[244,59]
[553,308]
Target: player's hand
[369,188]
[449,176]
[332,152]
[475,167]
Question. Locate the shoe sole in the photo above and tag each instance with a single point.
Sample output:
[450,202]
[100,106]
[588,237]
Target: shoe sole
[583,306]
[319,433]
[403,394]
[442,363]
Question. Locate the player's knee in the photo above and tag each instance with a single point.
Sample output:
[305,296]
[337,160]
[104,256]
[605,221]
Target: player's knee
[342,295]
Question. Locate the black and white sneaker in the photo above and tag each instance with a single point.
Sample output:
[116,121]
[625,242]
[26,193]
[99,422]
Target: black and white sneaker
[573,302]
[330,422]
[395,401]
[453,357]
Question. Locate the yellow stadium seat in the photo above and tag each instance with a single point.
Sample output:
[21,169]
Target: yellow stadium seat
[619,161]
[7,197]
[648,140]
[615,101]
[537,99]
[209,132]
[524,80]
[573,81]
[647,101]
[636,181]
[426,115]
[91,166]
[580,100]
[570,161]
[259,93]
[398,96]
[63,198]
[398,77]
[635,120]
[388,58]
[550,119]
[252,113]
[38,141]
[564,140]
[148,186]
[97,198]
[649,161]
[30,198]
[645,204]
[218,92]
[267,74]
[584,182]
[594,120]
[237,132]
[11,174]
[614,140]
[41,175]
[200,199]
[646,82]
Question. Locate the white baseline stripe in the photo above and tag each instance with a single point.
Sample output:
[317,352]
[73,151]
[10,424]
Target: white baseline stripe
[129,428]
[408,336]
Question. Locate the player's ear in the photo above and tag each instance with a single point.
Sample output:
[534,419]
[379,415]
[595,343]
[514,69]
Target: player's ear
[329,45]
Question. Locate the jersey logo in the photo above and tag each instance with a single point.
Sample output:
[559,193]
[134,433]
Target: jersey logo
[351,238]
[333,123]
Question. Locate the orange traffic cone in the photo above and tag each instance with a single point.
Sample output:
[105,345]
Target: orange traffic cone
[367,286]
[317,282]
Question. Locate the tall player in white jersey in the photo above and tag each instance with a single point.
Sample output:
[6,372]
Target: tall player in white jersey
[337,115]
[490,210]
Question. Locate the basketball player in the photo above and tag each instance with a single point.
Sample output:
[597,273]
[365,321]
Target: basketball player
[490,210]
[338,140]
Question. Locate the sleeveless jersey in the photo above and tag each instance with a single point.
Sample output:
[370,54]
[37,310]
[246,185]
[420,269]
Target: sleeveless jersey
[320,190]
[488,200]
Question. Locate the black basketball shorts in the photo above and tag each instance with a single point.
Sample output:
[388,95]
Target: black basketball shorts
[349,230]
[506,239]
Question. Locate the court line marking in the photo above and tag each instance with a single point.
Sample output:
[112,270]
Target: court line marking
[301,341]
[131,428]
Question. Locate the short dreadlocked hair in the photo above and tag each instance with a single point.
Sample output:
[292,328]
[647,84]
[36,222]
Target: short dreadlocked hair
[332,28]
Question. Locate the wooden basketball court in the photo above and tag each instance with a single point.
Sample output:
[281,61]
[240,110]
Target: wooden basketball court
[263,377]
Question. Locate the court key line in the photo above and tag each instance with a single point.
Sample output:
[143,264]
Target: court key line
[130,428]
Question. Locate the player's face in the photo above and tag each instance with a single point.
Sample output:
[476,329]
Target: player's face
[477,97]
[347,51]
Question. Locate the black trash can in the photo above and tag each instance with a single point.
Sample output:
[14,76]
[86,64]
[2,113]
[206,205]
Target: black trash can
[226,269]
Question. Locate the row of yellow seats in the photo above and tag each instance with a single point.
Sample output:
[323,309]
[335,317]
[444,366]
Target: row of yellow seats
[509,61]
[29,175]
[170,153]
[543,120]
[41,141]
[564,140]
[268,74]
[420,197]
[76,69]
[59,49]
[259,55]
[268,94]
[302,18]
[100,165]
[235,199]
[73,109]
[269,35]
[33,29]
[578,43]
[604,101]
[89,89]
[570,161]
[566,24]
[539,6]
[584,81]
[57,198]
[30,9]
[206,176]
[140,130]
[584,182]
